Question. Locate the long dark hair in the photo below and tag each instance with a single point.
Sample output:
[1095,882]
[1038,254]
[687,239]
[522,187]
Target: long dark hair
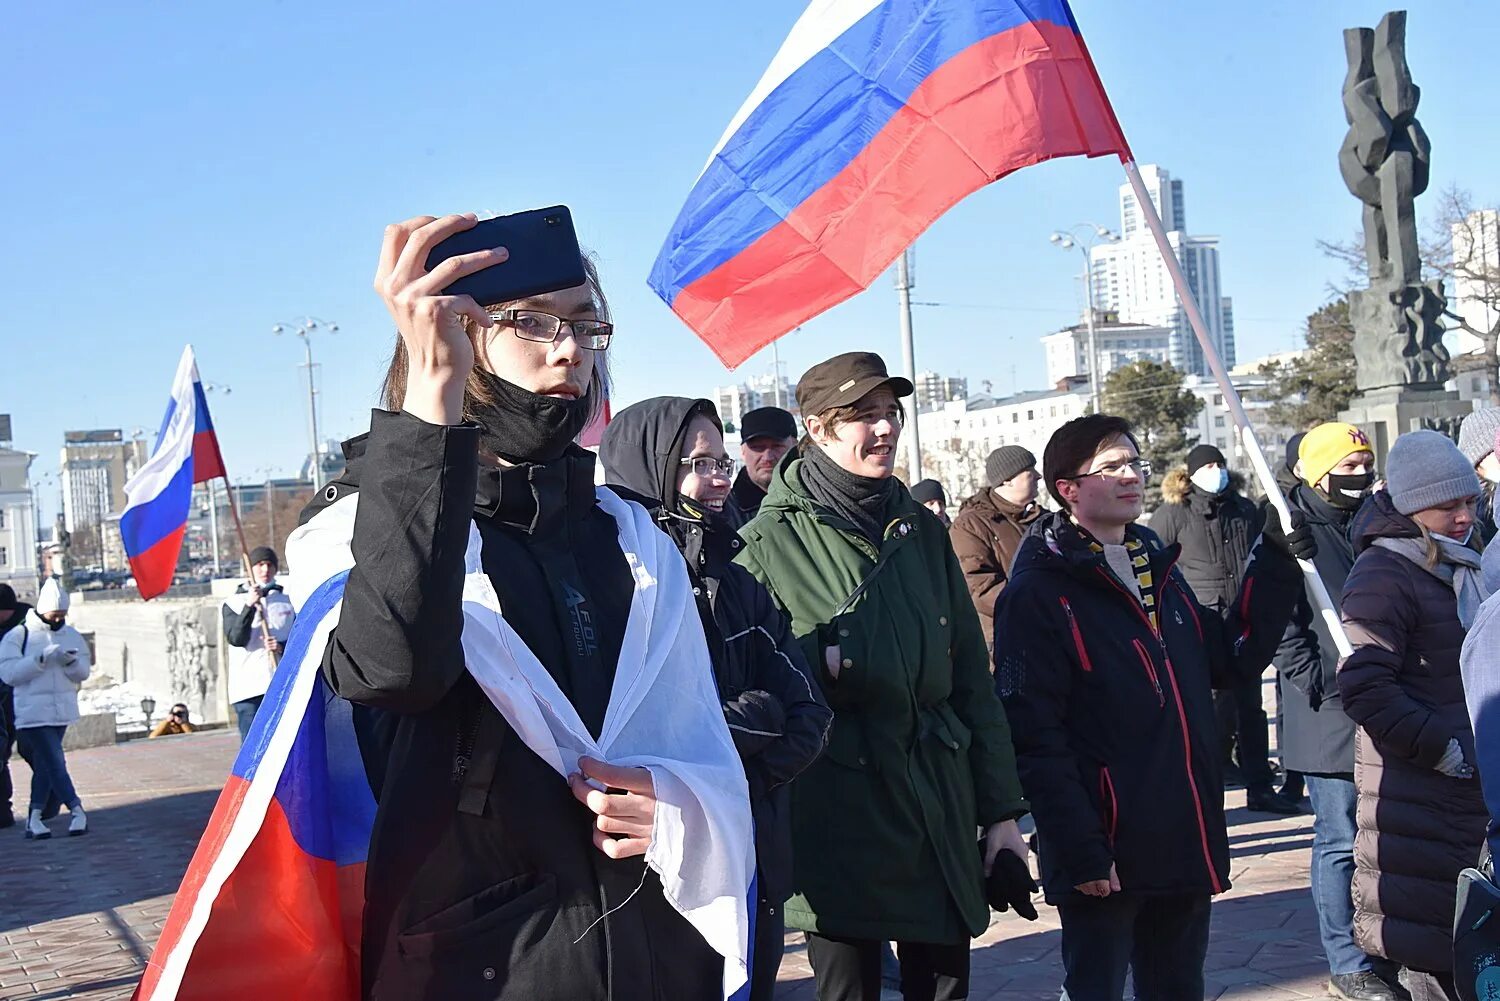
[393,388]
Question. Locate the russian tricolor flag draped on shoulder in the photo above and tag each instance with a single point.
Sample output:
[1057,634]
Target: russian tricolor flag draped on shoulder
[874,118]
[160,494]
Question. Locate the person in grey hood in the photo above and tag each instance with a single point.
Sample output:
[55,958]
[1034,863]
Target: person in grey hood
[1479,664]
[668,454]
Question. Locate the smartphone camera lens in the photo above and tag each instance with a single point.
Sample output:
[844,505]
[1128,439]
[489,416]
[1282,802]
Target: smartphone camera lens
[553,220]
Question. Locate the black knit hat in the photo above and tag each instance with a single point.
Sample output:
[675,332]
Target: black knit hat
[1006,463]
[928,490]
[1202,455]
[264,554]
[8,601]
[767,422]
[1293,444]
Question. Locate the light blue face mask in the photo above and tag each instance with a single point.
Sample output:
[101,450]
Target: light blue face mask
[1211,480]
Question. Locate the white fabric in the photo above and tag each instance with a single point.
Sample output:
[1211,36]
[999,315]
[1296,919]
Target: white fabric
[664,715]
[45,667]
[53,598]
[174,448]
[251,666]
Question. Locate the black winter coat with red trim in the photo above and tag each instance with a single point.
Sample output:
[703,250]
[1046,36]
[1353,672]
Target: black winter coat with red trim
[1113,720]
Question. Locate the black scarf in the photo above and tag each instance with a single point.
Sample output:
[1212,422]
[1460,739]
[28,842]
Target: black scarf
[861,500]
[522,426]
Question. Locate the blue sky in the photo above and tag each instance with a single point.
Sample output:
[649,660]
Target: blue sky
[200,173]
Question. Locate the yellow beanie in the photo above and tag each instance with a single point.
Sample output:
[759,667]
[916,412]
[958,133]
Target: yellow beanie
[1326,445]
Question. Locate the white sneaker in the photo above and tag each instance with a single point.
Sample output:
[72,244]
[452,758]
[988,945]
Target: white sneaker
[35,829]
[79,824]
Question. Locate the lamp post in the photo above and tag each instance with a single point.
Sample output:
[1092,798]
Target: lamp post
[906,280]
[304,329]
[1067,240]
[148,706]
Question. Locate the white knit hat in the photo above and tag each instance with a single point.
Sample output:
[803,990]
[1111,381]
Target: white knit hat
[53,598]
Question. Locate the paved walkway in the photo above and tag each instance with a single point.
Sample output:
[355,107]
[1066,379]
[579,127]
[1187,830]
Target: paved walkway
[78,916]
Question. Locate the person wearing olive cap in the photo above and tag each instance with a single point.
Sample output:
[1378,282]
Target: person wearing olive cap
[767,434]
[919,756]
[256,623]
[1317,736]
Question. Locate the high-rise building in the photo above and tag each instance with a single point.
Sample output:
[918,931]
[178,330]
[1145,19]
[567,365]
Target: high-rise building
[1118,344]
[733,402]
[933,390]
[1130,278]
[95,466]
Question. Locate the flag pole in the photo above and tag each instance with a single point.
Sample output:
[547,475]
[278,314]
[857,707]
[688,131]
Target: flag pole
[239,528]
[1315,585]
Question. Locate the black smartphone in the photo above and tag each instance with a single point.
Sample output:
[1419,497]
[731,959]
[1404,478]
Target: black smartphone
[544,256]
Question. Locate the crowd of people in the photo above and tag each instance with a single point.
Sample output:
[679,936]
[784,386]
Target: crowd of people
[907,694]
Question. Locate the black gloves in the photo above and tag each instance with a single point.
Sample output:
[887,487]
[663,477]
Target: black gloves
[1009,884]
[1297,544]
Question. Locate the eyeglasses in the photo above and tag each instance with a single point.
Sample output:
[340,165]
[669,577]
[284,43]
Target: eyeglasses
[1115,470]
[534,325]
[895,415]
[706,467]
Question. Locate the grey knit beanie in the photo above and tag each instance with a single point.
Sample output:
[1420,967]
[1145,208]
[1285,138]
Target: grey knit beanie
[1476,436]
[1007,462]
[1425,469]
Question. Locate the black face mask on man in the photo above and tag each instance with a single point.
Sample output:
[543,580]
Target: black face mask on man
[1347,490]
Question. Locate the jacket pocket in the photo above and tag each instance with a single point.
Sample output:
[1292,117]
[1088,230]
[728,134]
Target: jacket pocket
[1083,653]
[846,743]
[1146,662]
[1110,805]
[486,914]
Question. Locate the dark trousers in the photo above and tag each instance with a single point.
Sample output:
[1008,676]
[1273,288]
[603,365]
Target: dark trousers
[42,747]
[848,969]
[1242,721]
[244,714]
[770,943]
[7,740]
[1162,940]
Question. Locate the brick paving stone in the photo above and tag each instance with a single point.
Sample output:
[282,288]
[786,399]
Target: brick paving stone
[83,913]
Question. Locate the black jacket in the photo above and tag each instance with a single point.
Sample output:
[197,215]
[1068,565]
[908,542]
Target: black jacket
[1113,722]
[777,717]
[482,880]
[1316,734]
[1215,531]
[745,499]
[7,694]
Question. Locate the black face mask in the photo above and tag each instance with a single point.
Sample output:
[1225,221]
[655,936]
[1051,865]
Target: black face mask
[55,626]
[1348,490]
[522,426]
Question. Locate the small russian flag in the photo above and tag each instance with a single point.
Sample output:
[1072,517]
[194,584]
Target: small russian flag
[160,494]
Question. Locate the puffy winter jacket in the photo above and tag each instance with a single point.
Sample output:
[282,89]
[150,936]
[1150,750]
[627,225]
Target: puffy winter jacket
[1215,531]
[1417,828]
[1113,717]
[1480,663]
[45,667]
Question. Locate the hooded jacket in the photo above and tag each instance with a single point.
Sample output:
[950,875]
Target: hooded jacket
[986,535]
[1317,735]
[919,757]
[1113,717]
[44,666]
[1215,531]
[1417,828]
[482,880]
[776,714]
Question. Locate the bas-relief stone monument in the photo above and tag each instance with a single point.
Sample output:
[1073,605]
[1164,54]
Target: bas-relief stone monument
[1400,362]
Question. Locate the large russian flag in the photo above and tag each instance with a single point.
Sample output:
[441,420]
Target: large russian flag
[270,906]
[874,118]
[160,494]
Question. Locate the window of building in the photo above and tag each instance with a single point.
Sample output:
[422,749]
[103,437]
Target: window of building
[1218,400]
[1031,415]
[1220,443]
[1015,417]
[1052,411]
[4,557]
[1219,421]
[2,518]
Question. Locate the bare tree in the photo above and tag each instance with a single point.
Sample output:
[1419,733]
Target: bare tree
[1459,246]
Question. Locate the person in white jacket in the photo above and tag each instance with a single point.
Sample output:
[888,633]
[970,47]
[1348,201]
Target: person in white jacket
[45,660]
[256,625]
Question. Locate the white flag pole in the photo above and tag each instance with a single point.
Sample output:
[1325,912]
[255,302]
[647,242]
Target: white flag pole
[1315,586]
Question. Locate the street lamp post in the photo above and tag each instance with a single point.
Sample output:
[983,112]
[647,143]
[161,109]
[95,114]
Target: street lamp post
[1067,240]
[304,329]
[905,282]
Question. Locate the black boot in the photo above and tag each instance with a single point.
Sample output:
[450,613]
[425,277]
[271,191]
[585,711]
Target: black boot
[1362,986]
[1266,801]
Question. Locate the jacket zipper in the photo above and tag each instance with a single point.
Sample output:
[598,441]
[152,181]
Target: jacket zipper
[1083,654]
[1187,740]
[1107,794]
[1140,649]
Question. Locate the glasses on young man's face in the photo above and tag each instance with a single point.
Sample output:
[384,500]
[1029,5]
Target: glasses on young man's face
[1116,470]
[707,467]
[535,325]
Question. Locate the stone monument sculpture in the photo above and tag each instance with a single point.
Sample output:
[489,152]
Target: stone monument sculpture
[1400,361]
